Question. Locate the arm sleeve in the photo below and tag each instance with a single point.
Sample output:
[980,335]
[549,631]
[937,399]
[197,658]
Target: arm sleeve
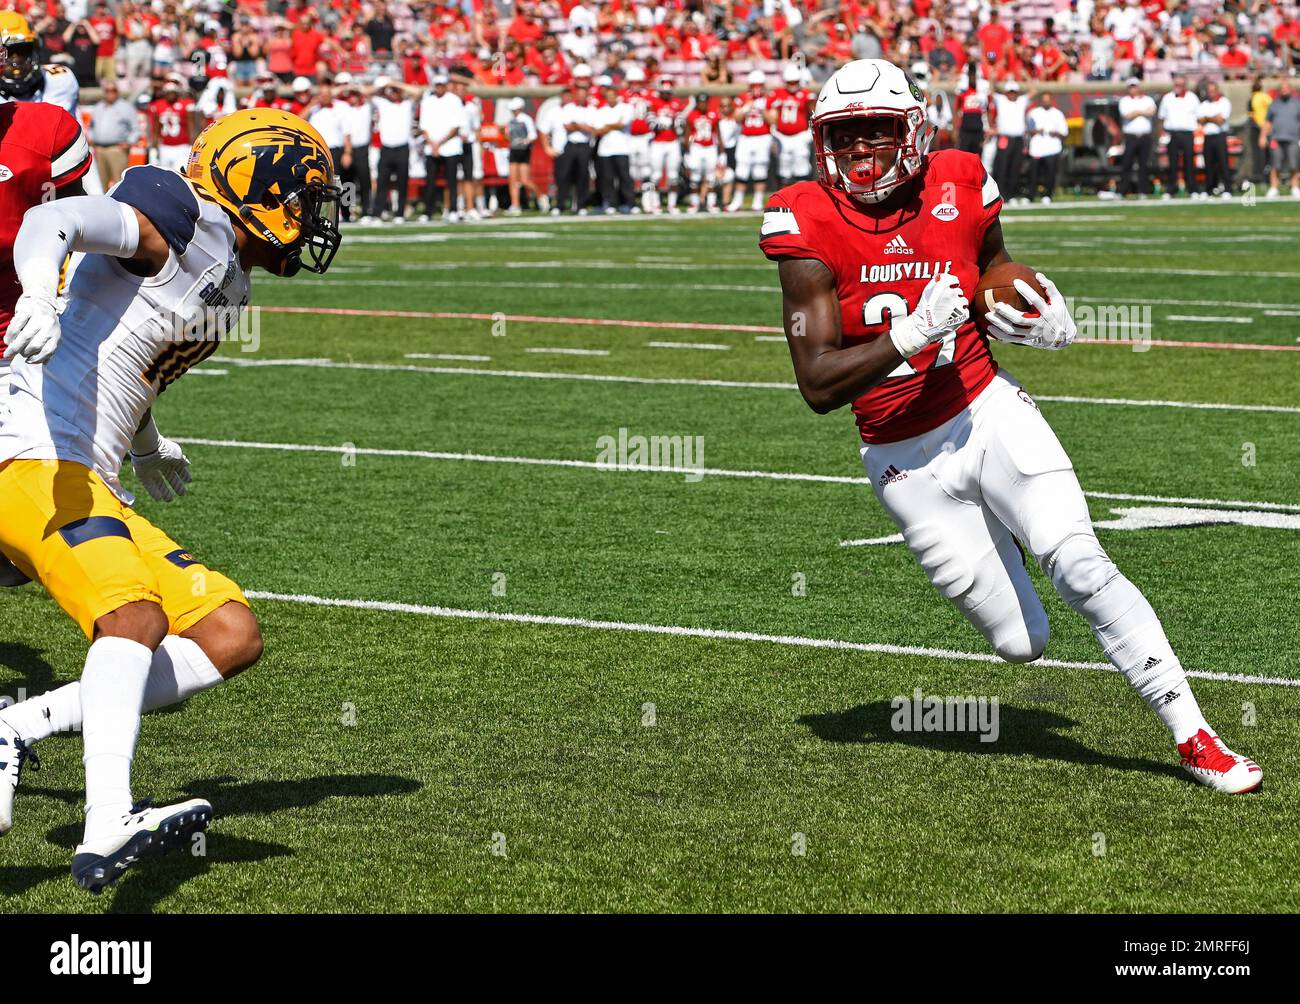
[51,231]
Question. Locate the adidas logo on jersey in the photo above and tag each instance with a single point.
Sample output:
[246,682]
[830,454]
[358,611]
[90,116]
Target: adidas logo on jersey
[891,475]
[898,246]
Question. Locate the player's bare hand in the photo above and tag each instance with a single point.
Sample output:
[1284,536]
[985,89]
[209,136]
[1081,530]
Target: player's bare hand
[34,328]
[1051,328]
[940,311]
[165,473]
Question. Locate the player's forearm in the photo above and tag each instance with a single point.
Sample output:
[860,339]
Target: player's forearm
[837,377]
[95,224]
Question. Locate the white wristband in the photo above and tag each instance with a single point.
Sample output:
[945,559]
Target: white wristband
[907,336]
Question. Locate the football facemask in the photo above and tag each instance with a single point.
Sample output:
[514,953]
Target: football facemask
[20,74]
[872,164]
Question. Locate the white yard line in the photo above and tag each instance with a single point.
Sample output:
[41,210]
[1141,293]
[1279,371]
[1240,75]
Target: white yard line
[542,350]
[489,458]
[1210,319]
[717,634]
[449,357]
[706,346]
[738,384]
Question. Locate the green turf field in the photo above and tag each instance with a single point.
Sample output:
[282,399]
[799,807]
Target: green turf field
[414,754]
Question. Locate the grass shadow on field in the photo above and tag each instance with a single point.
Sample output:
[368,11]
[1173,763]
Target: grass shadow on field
[142,889]
[16,879]
[1032,732]
[33,673]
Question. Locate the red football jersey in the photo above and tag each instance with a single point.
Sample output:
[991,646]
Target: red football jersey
[171,121]
[666,114]
[753,112]
[702,127]
[881,262]
[792,107]
[41,146]
[639,99]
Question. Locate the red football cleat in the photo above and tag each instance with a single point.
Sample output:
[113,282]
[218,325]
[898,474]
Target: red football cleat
[1215,766]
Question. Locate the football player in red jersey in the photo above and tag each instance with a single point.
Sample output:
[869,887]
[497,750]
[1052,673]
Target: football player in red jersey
[666,112]
[702,153]
[173,124]
[638,96]
[44,152]
[791,106]
[877,261]
[754,146]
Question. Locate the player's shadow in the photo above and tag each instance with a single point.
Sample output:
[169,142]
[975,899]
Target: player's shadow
[27,666]
[141,889]
[1034,732]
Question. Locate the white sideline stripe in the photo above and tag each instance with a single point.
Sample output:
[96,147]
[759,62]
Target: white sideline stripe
[724,635]
[1281,409]
[709,346]
[593,465]
[450,357]
[769,338]
[1210,318]
[569,352]
[1282,313]
[209,371]
[1213,272]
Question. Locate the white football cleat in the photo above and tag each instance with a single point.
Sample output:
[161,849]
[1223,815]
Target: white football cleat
[13,754]
[143,831]
[1215,766]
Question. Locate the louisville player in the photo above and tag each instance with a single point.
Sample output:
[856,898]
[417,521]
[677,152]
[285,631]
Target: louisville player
[754,147]
[791,106]
[877,261]
[46,154]
[703,153]
[667,110]
[639,132]
[164,272]
[173,123]
[22,78]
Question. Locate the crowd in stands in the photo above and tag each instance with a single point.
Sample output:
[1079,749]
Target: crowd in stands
[528,42]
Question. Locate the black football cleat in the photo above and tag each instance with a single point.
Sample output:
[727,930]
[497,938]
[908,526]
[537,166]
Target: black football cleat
[145,831]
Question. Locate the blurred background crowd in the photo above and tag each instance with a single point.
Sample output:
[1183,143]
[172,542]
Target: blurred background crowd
[628,106]
[520,42]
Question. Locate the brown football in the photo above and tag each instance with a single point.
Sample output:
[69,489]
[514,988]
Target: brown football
[997,286]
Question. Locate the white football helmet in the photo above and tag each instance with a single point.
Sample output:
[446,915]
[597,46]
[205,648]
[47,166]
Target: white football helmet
[871,89]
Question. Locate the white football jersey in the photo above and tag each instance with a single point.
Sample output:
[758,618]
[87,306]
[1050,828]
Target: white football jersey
[126,338]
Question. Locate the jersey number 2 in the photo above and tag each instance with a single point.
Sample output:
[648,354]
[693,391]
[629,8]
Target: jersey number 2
[883,308]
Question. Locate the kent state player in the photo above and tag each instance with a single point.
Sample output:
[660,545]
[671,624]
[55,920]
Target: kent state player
[877,261]
[22,78]
[163,275]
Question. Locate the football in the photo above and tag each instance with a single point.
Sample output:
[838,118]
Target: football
[997,285]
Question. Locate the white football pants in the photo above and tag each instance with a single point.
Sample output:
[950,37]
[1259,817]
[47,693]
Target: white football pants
[964,493]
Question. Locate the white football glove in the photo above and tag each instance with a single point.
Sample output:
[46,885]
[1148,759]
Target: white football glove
[34,328]
[165,472]
[942,309]
[1053,328]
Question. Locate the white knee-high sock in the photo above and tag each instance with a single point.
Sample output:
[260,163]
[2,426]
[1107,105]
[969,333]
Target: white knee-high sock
[112,695]
[112,699]
[179,670]
[1129,631]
